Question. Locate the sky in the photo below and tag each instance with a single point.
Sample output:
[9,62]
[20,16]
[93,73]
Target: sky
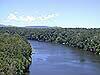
[60,13]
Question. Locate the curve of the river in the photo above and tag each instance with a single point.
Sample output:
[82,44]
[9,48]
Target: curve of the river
[54,59]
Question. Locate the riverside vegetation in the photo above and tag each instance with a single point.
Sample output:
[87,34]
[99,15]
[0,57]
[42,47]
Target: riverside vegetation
[15,50]
[82,38]
[14,55]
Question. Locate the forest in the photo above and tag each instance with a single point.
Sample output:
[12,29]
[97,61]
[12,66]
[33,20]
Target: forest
[15,51]
[15,54]
[82,38]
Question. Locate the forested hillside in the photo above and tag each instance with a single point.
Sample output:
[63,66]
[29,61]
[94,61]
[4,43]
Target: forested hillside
[14,54]
[82,38]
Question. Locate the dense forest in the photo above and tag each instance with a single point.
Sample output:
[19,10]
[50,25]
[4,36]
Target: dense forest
[82,38]
[14,54]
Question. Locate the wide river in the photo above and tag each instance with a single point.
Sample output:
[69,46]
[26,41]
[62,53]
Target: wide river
[55,59]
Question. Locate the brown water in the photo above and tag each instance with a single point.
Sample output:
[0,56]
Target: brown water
[54,59]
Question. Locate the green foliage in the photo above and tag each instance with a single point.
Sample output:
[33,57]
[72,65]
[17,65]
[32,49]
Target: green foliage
[14,54]
[82,38]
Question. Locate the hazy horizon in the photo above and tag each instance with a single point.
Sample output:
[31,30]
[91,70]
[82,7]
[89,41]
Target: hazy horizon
[60,13]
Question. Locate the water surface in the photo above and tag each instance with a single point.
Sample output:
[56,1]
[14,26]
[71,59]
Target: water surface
[54,59]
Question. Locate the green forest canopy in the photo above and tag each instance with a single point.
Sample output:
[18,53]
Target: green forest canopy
[82,38]
[14,54]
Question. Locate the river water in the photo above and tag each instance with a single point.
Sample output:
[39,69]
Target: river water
[55,59]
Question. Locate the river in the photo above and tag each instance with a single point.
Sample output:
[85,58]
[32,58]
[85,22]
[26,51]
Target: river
[55,59]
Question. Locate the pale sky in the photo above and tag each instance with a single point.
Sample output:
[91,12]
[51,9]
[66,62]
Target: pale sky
[61,13]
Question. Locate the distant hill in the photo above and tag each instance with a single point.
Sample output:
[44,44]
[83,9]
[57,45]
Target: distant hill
[1,25]
[37,27]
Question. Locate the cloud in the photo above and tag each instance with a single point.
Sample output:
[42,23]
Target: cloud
[29,19]
[12,17]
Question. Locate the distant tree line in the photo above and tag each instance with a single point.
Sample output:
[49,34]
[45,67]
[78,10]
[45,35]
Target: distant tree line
[82,38]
